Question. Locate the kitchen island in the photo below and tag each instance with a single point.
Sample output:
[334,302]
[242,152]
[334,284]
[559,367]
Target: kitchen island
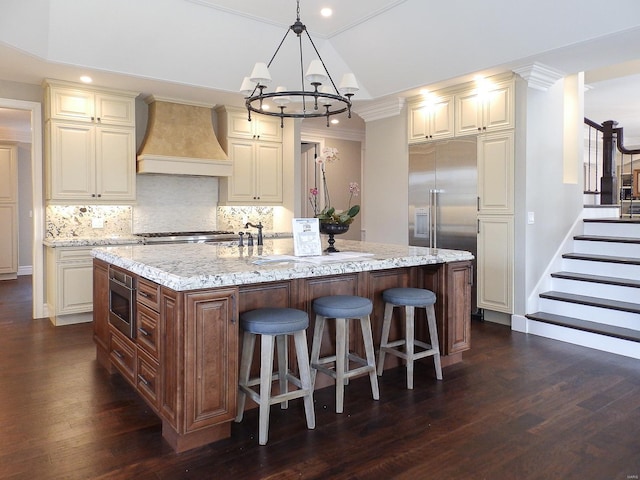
[183,357]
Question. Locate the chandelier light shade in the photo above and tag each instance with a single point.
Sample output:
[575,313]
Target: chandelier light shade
[323,99]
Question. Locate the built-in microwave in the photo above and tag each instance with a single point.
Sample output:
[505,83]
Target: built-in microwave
[122,302]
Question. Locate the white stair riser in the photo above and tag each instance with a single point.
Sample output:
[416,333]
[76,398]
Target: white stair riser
[600,212]
[586,339]
[621,270]
[593,314]
[599,290]
[612,229]
[616,249]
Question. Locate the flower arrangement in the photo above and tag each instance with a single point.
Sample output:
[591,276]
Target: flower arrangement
[329,214]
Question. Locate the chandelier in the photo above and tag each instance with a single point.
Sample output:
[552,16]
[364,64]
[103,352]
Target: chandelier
[323,100]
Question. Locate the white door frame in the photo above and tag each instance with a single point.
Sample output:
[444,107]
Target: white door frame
[35,108]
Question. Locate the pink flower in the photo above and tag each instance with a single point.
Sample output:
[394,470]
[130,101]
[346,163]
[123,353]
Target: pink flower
[314,191]
[354,188]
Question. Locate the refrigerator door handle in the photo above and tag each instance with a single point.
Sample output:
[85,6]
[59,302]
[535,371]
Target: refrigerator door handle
[435,218]
[430,218]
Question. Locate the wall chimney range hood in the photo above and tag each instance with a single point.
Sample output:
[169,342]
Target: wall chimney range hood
[180,141]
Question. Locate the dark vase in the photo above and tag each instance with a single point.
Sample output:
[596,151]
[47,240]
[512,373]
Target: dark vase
[332,229]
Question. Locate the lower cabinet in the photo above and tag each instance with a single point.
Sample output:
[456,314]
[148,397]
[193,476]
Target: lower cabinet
[69,284]
[495,262]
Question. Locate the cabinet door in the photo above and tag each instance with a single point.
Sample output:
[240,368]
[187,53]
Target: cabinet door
[101,307]
[211,370]
[468,118]
[267,129]
[241,185]
[498,108]
[115,109]
[71,104]
[115,163]
[495,173]
[495,263]
[9,177]
[459,281]
[8,240]
[71,161]
[75,292]
[268,164]
[418,123]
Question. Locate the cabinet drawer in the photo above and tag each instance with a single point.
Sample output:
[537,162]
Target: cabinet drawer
[147,322]
[74,254]
[148,294]
[123,354]
[147,379]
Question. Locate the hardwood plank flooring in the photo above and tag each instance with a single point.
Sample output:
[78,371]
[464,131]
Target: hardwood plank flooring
[517,407]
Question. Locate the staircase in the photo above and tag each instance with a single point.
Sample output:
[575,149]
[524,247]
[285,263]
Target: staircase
[595,300]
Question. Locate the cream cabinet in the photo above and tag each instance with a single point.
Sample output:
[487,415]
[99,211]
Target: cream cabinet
[485,108]
[237,125]
[495,262]
[496,173]
[90,145]
[431,119]
[69,284]
[8,212]
[255,150]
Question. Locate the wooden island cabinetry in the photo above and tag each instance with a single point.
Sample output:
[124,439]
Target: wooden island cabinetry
[185,355]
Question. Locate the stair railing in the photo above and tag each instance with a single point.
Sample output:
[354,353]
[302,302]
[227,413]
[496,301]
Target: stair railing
[620,181]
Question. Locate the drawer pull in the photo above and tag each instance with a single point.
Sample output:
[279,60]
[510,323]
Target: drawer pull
[144,332]
[143,294]
[118,354]
[146,382]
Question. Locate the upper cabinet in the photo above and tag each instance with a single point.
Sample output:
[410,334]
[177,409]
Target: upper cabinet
[496,173]
[79,105]
[90,144]
[255,150]
[237,125]
[431,119]
[485,108]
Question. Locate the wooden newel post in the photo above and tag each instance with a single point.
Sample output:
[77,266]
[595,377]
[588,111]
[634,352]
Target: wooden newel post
[609,180]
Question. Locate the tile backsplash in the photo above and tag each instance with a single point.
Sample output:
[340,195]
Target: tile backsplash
[77,221]
[174,203]
[235,218]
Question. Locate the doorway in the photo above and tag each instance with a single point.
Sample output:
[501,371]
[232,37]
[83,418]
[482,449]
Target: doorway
[34,111]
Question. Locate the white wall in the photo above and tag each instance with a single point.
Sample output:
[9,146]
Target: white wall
[556,204]
[25,208]
[385,181]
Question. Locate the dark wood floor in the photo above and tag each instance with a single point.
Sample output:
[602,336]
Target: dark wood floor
[517,407]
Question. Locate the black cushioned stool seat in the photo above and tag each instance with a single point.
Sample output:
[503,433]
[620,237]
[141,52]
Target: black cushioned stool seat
[274,324]
[342,308]
[410,299]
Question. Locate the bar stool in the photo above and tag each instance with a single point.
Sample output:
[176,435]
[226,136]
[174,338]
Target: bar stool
[274,324]
[410,298]
[342,308]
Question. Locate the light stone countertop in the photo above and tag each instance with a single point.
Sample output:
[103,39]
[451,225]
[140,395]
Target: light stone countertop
[194,266]
[92,241]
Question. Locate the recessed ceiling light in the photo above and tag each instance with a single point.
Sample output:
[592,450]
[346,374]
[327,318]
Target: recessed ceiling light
[335,121]
[326,12]
[86,79]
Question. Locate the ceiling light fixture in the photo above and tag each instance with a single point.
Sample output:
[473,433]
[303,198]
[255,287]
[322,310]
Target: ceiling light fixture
[321,101]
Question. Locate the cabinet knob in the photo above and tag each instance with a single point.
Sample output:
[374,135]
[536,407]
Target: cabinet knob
[479,129]
[99,195]
[99,119]
[93,195]
[93,119]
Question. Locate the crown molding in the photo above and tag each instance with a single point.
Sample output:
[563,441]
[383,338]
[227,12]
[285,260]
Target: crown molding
[337,133]
[538,76]
[377,110]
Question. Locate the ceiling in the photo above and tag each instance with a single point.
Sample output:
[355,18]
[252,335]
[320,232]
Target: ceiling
[199,50]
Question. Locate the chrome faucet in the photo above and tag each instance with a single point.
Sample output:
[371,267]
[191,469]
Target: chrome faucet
[259,227]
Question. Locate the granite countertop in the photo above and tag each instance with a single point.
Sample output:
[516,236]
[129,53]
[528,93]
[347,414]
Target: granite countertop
[197,265]
[92,241]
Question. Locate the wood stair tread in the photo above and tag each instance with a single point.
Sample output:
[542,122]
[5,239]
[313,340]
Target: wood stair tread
[602,238]
[586,326]
[586,277]
[612,220]
[592,301]
[601,258]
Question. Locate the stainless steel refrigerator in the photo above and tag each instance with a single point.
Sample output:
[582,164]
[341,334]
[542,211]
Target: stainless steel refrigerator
[443,197]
